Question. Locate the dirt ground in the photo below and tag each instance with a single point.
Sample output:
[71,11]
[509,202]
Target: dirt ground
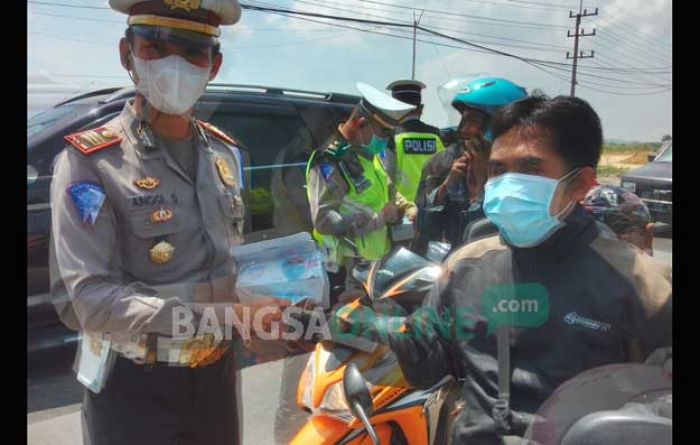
[624,160]
[621,160]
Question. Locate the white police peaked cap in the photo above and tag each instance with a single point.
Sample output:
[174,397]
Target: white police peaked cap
[203,16]
[383,108]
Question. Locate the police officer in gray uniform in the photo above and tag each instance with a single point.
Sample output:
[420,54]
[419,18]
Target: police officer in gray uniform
[146,211]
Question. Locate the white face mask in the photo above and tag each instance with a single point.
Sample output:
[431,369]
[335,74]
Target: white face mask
[170,84]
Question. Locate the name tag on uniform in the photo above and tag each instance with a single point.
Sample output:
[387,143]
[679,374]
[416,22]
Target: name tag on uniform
[419,146]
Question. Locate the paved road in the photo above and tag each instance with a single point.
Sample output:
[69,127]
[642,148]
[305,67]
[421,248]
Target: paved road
[54,396]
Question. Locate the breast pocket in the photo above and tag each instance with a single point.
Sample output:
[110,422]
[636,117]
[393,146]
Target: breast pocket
[234,213]
[154,222]
[154,244]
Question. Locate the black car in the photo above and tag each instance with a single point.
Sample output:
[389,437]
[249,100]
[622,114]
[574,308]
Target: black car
[278,128]
[653,183]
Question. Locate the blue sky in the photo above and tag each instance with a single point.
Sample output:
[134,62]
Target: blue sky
[79,47]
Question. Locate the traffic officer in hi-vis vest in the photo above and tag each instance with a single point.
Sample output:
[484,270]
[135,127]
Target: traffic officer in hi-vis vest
[351,195]
[415,142]
[146,211]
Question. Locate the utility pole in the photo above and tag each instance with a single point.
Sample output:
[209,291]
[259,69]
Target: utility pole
[415,28]
[579,55]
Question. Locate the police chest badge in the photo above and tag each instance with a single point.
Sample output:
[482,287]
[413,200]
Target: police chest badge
[162,252]
[187,5]
[147,183]
[162,215]
[225,172]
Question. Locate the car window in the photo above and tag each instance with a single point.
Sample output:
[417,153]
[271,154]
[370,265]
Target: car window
[666,155]
[41,121]
[277,146]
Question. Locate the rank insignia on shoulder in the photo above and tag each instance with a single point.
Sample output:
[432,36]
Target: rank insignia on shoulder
[88,198]
[336,150]
[218,133]
[91,141]
[326,171]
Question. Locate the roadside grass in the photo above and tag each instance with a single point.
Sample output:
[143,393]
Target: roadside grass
[611,170]
[651,147]
[638,157]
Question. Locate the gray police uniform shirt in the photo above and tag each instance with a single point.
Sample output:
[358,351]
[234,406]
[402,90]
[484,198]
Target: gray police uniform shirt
[105,266]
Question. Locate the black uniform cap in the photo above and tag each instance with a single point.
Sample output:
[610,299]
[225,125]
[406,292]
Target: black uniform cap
[407,91]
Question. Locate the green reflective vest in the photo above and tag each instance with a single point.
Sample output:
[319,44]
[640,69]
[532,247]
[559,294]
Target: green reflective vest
[372,245]
[413,151]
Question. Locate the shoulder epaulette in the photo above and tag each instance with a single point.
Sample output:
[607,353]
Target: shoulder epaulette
[336,149]
[92,141]
[218,133]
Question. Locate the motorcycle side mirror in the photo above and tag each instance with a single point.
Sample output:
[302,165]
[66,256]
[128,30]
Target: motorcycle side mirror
[358,398]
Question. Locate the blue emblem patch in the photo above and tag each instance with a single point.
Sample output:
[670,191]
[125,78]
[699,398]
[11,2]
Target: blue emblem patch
[326,171]
[88,198]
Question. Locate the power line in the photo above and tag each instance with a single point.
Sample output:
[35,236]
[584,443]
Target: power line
[622,56]
[625,82]
[74,17]
[442,61]
[64,5]
[630,40]
[616,14]
[322,39]
[537,47]
[472,45]
[92,42]
[550,4]
[454,14]
[522,5]
[469,45]
[624,47]
[609,60]
[636,39]
[584,84]
[617,93]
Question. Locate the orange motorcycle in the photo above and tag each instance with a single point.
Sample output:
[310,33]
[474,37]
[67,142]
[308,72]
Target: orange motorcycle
[353,386]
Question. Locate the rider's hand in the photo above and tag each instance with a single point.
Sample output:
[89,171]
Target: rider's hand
[662,357]
[390,213]
[412,213]
[458,171]
[271,314]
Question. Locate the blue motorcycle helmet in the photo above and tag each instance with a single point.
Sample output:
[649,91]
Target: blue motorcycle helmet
[487,94]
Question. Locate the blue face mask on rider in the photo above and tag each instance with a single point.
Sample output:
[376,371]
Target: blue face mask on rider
[519,205]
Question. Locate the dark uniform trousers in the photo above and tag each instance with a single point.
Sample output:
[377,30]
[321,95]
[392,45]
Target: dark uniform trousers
[164,404]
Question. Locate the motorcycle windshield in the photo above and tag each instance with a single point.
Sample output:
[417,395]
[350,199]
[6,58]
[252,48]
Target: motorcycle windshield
[385,272]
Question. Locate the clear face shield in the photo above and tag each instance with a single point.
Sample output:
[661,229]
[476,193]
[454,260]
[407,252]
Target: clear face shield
[447,92]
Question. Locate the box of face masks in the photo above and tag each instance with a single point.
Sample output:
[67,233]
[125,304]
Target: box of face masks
[290,267]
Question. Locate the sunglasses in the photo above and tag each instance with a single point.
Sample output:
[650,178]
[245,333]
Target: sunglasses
[161,42]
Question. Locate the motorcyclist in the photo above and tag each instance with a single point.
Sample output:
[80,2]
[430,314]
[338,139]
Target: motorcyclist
[451,186]
[601,300]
